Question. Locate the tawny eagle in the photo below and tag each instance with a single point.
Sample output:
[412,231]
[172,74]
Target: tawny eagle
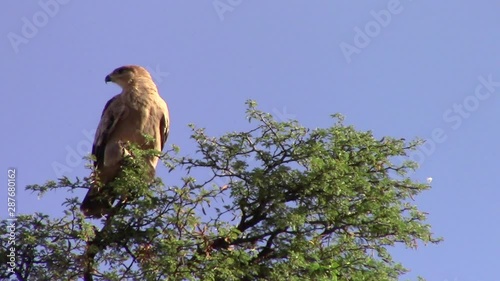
[128,117]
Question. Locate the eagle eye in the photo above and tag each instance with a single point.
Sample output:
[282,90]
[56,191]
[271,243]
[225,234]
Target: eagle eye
[121,70]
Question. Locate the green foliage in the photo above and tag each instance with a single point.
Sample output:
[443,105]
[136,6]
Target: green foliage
[294,204]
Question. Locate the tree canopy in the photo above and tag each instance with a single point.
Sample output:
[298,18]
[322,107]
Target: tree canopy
[294,204]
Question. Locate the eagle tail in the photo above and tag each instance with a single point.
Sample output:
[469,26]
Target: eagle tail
[95,204]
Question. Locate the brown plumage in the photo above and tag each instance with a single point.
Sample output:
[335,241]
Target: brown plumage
[137,111]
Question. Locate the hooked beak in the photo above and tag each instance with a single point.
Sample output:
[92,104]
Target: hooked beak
[107,79]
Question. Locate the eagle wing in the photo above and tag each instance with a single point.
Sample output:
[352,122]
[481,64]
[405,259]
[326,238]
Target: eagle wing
[109,118]
[96,202]
[164,126]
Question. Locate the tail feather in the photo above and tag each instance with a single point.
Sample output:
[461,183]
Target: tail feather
[96,204]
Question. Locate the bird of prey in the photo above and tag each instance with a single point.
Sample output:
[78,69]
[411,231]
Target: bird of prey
[136,112]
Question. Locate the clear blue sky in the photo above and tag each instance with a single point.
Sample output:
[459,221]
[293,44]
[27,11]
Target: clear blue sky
[415,74]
